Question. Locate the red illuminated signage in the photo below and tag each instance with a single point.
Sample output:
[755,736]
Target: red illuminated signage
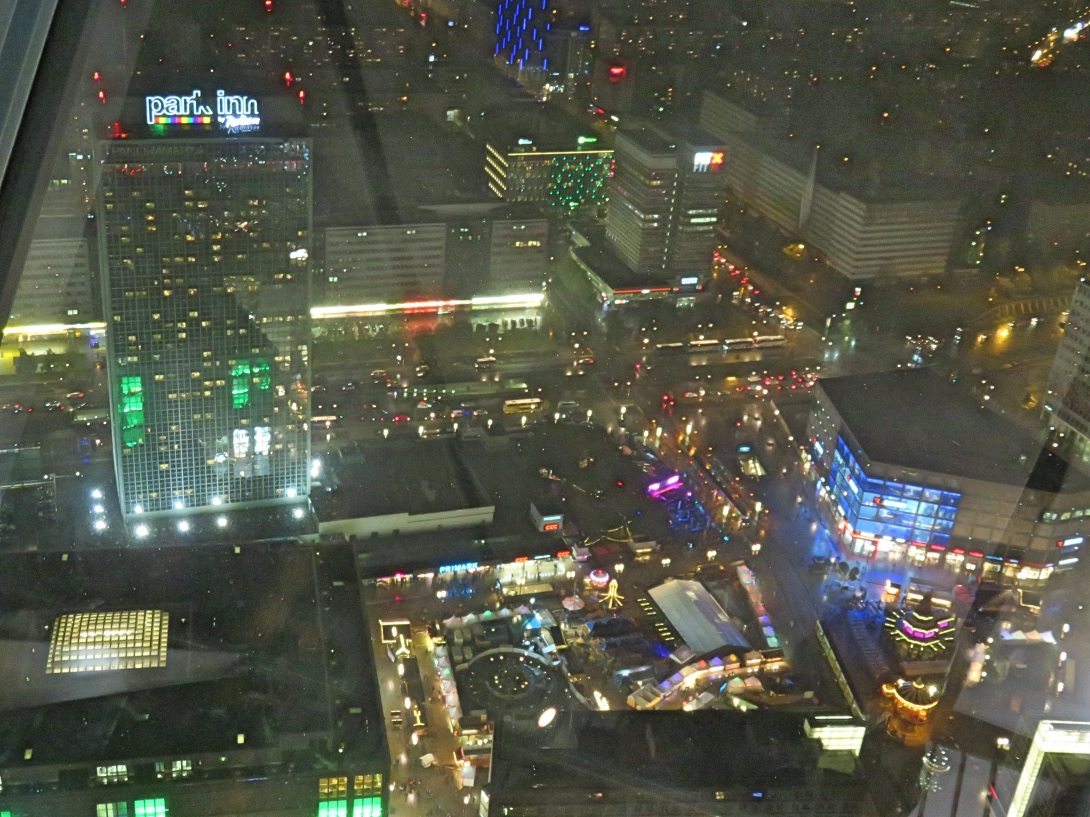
[549,527]
[563,554]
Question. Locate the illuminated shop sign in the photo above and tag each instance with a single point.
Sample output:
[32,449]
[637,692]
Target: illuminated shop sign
[233,113]
[708,161]
[462,567]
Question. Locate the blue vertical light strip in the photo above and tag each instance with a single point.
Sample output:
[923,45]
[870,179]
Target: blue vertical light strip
[519,33]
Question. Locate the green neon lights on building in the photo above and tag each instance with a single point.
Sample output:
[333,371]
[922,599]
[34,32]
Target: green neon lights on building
[151,807]
[367,807]
[132,411]
[333,808]
[245,373]
[262,376]
[578,181]
[240,384]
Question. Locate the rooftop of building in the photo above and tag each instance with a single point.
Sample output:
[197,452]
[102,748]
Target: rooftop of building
[531,126]
[245,665]
[402,476]
[509,468]
[613,272]
[432,163]
[659,755]
[914,418]
[456,211]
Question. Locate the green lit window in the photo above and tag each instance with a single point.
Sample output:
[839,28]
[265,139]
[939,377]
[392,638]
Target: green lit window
[333,808]
[151,807]
[245,373]
[132,411]
[367,807]
[261,374]
[107,810]
[240,383]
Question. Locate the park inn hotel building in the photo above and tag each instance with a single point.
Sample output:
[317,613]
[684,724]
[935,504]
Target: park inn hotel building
[205,249]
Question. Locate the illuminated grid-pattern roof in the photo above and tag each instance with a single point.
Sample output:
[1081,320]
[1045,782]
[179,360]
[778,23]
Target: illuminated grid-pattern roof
[97,642]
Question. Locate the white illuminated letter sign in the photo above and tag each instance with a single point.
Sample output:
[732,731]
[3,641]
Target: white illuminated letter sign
[234,113]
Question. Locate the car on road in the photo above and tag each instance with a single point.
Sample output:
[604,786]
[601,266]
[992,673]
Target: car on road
[567,408]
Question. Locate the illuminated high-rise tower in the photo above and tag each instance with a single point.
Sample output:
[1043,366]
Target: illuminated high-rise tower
[205,247]
[664,202]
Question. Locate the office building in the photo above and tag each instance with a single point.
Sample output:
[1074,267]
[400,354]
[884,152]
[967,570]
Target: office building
[866,221]
[451,253]
[652,763]
[205,257]
[383,263]
[563,176]
[1067,400]
[518,255]
[665,196]
[910,467]
[179,690]
[55,287]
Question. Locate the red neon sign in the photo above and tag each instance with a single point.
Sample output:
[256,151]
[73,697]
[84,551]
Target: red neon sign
[549,527]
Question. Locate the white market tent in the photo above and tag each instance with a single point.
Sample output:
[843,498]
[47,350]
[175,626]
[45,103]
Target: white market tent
[699,619]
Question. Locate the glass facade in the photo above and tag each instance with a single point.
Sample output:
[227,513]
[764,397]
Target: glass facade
[882,508]
[205,247]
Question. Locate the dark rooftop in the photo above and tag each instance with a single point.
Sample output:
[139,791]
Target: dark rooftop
[638,755]
[545,126]
[249,636]
[914,418]
[612,270]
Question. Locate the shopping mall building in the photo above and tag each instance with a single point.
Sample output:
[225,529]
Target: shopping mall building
[912,468]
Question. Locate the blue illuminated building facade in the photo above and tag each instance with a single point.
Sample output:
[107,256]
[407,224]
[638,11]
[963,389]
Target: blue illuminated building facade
[878,509]
[897,481]
[521,28]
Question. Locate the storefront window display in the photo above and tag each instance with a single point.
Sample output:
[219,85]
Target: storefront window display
[882,509]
